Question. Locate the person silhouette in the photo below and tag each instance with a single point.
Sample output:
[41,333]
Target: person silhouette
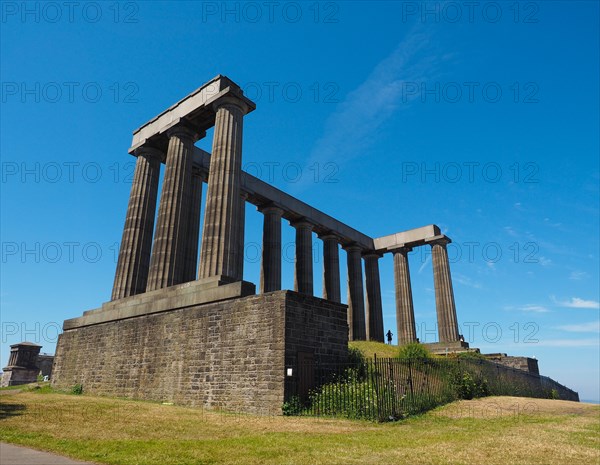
[389,336]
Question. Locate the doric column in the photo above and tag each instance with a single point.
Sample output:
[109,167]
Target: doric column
[374,305]
[303,276]
[356,298]
[193,236]
[220,252]
[131,276]
[270,265]
[405,314]
[444,294]
[241,234]
[331,268]
[170,240]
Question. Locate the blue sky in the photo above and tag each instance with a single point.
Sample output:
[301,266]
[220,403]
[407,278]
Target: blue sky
[388,115]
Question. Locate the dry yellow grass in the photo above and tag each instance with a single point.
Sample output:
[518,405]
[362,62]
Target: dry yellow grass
[494,430]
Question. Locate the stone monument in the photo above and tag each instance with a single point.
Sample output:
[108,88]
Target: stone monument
[193,331]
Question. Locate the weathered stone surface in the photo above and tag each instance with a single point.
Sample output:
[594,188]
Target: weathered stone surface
[270,265]
[183,295]
[193,235]
[23,364]
[444,294]
[374,308]
[131,276]
[170,246]
[223,219]
[303,275]
[331,268]
[356,296]
[227,355]
[405,314]
[410,238]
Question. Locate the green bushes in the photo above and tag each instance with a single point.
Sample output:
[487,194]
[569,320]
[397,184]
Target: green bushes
[469,386]
[413,351]
[77,389]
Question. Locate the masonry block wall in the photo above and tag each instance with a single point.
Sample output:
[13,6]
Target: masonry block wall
[225,355]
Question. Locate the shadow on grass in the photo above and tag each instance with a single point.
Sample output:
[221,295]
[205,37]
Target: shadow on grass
[8,410]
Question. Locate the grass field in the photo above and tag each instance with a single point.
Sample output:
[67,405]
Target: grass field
[494,430]
[370,348]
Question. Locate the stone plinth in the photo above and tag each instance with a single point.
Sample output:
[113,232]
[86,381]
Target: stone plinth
[223,355]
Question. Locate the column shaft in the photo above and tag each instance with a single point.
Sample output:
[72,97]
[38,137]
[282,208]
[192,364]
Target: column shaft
[331,268]
[131,276]
[303,276]
[170,241]
[241,234]
[270,266]
[193,236]
[374,305]
[220,252]
[405,314]
[444,294]
[356,299]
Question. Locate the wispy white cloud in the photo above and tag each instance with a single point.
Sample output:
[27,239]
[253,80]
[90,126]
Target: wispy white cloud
[544,261]
[591,327]
[528,308]
[576,302]
[584,342]
[578,275]
[465,281]
[591,342]
[534,308]
[350,129]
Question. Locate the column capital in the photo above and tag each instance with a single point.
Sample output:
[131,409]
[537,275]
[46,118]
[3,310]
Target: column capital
[270,209]
[329,236]
[372,254]
[352,247]
[403,250]
[302,223]
[184,130]
[442,240]
[149,152]
[231,100]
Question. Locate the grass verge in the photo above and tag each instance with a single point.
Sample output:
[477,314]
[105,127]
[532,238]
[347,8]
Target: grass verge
[494,430]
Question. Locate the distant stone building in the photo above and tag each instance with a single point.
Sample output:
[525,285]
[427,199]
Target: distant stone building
[25,363]
[527,364]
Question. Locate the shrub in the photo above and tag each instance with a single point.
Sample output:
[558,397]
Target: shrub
[471,356]
[77,389]
[357,364]
[354,397]
[468,387]
[553,394]
[292,406]
[413,351]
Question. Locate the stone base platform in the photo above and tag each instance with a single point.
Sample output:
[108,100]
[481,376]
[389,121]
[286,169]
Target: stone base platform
[442,348]
[230,354]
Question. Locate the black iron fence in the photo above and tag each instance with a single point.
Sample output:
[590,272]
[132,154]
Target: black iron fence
[389,389]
